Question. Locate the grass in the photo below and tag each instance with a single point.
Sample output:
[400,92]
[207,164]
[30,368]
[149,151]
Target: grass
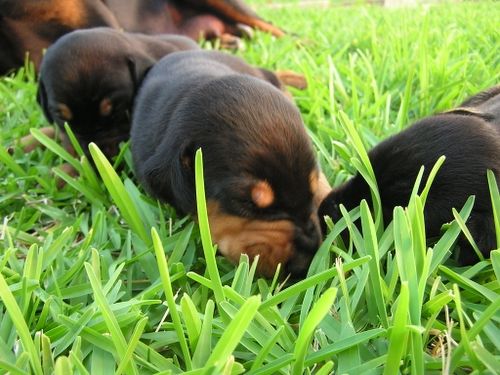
[97,277]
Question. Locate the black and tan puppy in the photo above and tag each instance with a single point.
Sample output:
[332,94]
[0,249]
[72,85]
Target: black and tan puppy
[206,19]
[262,180]
[89,79]
[30,26]
[469,137]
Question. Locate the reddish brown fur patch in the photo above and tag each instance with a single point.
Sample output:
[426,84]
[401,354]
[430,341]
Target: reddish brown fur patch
[237,15]
[262,194]
[29,143]
[68,12]
[65,112]
[271,240]
[319,187]
[105,107]
[289,78]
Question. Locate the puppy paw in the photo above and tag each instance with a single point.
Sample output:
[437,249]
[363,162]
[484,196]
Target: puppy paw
[229,41]
[289,78]
[29,143]
[245,31]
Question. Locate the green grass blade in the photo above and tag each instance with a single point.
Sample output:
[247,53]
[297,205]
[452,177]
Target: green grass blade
[117,191]
[22,329]
[206,238]
[234,332]
[317,313]
[117,337]
[133,341]
[399,334]
[169,296]
[495,202]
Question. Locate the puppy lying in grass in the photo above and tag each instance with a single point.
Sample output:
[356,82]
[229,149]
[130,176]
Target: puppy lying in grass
[469,137]
[262,180]
[28,26]
[227,20]
[89,78]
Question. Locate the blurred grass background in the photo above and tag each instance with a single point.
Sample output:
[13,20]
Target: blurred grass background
[84,285]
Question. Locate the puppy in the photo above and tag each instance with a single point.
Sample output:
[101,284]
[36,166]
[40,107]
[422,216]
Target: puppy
[89,78]
[261,178]
[30,26]
[206,19]
[469,137]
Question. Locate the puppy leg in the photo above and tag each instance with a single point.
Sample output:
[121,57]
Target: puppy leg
[28,143]
[229,41]
[292,79]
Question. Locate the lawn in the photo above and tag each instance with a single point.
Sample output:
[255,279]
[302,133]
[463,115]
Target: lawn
[98,278]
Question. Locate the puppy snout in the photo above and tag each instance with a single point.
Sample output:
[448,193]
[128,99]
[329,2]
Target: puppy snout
[306,243]
[307,238]
[298,265]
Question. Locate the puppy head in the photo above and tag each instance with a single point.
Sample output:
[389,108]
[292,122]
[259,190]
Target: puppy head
[88,79]
[261,177]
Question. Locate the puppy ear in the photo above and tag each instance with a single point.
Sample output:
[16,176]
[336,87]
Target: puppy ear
[272,78]
[138,67]
[187,156]
[41,98]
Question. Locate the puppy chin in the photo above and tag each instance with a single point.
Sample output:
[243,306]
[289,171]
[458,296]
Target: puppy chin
[108,143]
[272,241]
[275,242]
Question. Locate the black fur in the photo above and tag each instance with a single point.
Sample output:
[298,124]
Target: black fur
[469,137]
[30,26]
[86,66]
[247,129]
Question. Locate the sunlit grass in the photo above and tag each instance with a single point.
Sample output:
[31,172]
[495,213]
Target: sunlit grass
[97,277]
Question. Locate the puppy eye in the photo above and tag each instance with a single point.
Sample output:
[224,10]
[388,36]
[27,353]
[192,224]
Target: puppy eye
[64,112]
[105,107]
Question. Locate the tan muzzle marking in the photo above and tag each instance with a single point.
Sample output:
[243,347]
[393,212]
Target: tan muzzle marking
[234,235]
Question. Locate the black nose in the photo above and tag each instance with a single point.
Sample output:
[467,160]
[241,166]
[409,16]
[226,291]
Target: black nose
[306,243]
[307,238]
[298,265]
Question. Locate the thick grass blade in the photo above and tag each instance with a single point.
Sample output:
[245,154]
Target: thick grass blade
[118,193]
[317,313]
[132,344]
[169,296]
[191,320]
[206,238]
[234,332]
[22,329]
[371,248]
[495,202]
[310,281]
[204,347]
[9,161]
[117,337]
[399,333]
[56,149]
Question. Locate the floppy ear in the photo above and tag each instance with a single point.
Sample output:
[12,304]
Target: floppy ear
[166,177]
[41,98]
[138,67]
[187,155]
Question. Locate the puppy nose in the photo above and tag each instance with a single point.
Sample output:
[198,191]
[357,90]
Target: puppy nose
[306,243]
[307,238]
[298,265]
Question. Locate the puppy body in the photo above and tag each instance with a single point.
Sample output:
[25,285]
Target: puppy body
[89,78]
[469,137]
[194,18]
[261,175]
[30,26]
